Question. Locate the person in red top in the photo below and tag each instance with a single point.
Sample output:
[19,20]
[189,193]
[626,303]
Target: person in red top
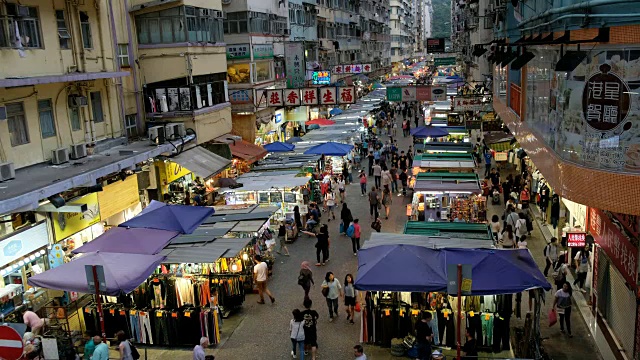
[363,183]
[355,239]
[525,197]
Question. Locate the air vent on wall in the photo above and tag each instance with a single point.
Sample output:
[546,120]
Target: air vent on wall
[59,156]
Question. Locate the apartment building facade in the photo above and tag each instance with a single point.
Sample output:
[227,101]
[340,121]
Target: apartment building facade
[472,23]
[403,25]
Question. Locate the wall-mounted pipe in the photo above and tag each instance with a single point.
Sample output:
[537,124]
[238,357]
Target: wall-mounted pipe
[114,36]
[580,6]
[134,72]
[583,16]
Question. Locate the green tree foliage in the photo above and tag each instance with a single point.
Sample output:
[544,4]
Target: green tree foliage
[441,19]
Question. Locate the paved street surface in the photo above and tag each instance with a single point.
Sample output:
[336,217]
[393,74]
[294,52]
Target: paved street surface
[262,331]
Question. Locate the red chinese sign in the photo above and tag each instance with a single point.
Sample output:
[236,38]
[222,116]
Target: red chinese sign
[309,96]
[346,95]
[356,69]
[576,239]
[338,69]
[291,97]
[274,97]
[605,100]
[467,103]
[366,68]
[347,68]
[631,223]
[615,244]
[327,95]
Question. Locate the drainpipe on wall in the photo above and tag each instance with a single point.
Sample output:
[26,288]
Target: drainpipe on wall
[82,61]
[116,59]
[96,5]
[134,73]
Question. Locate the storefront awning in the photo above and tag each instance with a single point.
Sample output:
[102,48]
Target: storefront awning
[429,241]
[447,183]
[243,149]
[255,181]
[202,162]
[205,253]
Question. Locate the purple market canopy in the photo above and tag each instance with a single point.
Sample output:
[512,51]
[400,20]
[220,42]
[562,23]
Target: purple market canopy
[122,272]
[181,218]
[428,131]
[130,240]
[420,269]
[330,149]
[279,147]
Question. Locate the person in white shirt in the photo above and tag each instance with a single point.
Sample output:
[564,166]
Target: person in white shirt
[330,200]
[551,255]
[198,350]
[260,275]
[521,226]
[358,353]
[582,266]
[522,242]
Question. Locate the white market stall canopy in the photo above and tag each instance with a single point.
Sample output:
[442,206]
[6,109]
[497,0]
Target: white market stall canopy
[256,181]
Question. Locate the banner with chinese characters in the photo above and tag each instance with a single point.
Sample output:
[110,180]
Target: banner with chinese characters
[464,103]
[262,51]
[238,52]
[615,244]
[352,69]
[417,93]
[322,77]
[590,116]
[311,96]
[294,64]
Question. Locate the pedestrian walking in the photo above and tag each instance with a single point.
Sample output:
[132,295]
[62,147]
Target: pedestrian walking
[331,289]
[354,232]
[386,178]
[322,244]
[342,190]
[403,181]
[561,276]
[282,239]
[296,329]
[358,353]
[374,203]
[562,305]
[350,294]
[487,163]
[102,350]
[470,347]
[496,227]
[582,267]
[508,238]
[551,255]
[89,346]
[377,174]
[371,158]
[198,350]
[424,336]
[363,183]
[260,274]
[345,217]
[522,242]
[305,278]
[521,226]
[555,211]
[386,201]
[330,201]
[124,346]
[394,178]
[296,217]
[310,331]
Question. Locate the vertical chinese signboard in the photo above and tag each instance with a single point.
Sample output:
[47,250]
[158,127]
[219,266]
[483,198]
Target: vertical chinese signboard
[615,244]
[294,63]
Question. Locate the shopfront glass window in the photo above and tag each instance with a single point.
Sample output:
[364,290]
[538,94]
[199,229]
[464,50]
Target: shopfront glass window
[263,71]
[588,116]
[239,73]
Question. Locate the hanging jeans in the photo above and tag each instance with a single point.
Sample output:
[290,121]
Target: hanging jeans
[135,328]
[162,328]
[500,334]
[332,304]
[145,328]
[173,322]
[474,324]
[487,328]
[445,326]
[566,319]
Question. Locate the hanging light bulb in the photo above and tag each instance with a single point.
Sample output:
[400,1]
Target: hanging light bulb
[234,267]
[42,252]
[32,257]
[21,263]
[245,256]
[3,272]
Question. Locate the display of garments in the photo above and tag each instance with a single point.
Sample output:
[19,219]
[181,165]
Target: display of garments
[487,328]
[488,303]
[446,327]
[501,333]
[474,324]
[145,328]
[161,327]
[134,327]
[159,293]
[184,292]
[472,303]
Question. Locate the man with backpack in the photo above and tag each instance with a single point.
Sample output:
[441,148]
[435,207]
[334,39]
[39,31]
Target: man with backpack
[353,231]
[551,255]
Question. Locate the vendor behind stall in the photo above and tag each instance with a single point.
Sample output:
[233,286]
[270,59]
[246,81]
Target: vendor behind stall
[33,322]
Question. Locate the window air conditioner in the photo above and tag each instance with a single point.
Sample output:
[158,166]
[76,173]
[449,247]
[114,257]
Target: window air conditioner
[168,131]
[78,151]
[59,156]
[7,171]
[156,134]
[178,129]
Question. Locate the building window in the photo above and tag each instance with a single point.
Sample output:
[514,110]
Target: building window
[63,30]
[96,107]
[18,130]
[74,117]
[85,27]
[131,126]
[236,23]
[47,122]
[20,27]
[179,24]
[123,55]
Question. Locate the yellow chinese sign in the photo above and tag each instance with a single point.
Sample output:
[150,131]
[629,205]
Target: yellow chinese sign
[67,224]
[489,116]
[466,286]
[170,171]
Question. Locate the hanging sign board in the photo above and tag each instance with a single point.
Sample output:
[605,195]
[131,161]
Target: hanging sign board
[578,239]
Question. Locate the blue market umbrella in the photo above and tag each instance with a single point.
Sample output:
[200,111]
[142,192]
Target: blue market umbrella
[293,140]
[428,131]
[335,111]
[279,147]
[329,148]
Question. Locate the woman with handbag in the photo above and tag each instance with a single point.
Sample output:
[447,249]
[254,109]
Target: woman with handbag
[350,297]
[296,328]
[305,278]
[331,289]
[562,304]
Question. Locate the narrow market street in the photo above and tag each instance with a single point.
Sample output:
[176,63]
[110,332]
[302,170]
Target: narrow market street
[262,331]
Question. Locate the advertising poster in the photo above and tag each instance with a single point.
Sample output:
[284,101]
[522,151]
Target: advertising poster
[294,64]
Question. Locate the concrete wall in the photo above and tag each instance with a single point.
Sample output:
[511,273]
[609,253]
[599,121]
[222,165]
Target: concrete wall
[38,149]
[51,59]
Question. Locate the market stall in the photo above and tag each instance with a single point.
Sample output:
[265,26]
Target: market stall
[402,282]
[433,238]
[474,233]
[449,162]
[282,188]
[444,148]
[335,156]
[449,195]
